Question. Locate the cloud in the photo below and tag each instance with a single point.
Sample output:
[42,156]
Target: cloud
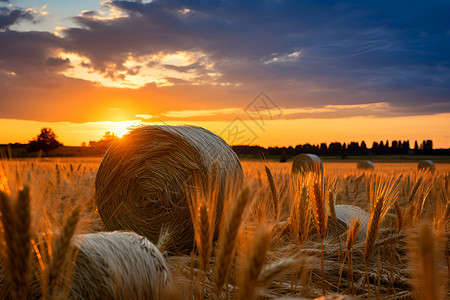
[219,54]
[380,109]
[10,17]
[57,62]
[201,113]
[291,57]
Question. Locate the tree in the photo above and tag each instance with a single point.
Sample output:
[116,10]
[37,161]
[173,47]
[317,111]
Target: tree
[106,140]
[45,141]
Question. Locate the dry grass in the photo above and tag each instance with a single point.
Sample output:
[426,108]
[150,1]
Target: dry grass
[260,253]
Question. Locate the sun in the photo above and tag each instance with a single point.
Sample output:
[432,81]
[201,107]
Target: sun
[122,128]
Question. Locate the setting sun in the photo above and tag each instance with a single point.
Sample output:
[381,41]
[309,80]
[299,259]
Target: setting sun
[122,128]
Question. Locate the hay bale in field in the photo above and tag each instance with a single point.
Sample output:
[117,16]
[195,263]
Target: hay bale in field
[118,265]
[327,297]
[346,215]
[305,163]
[364,165]
[142,182]
[426,165]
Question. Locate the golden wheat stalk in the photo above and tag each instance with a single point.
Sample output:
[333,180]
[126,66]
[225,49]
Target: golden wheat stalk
[319,209]
[372,234]
[423,257]
[273,190]
[399,215]
[228,240]
[204,245]
[351,239]
[320,216]
[332,201]
[254,263]
[16,222]
[276,269]
[61,252]
[414,190]
[373,228]
[304,215]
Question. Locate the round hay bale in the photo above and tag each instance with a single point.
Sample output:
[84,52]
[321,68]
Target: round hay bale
[305,163]
[143,180]
[364,165]
[345,216]
[426,165]
[118,265]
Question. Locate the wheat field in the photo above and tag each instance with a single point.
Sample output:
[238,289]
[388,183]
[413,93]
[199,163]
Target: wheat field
[280,236]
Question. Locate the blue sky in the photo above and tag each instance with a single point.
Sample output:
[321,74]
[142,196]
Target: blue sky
[153,58]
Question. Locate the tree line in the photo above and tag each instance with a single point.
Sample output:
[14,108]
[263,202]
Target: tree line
[350,149]
[47,141]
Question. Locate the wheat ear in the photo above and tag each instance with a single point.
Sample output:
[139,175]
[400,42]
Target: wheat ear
[426,280]
[373,228]
[254,263]
[276,269]
[414,190]
[351,238]
[319,209]
[273,190]
[228,241]
[332,201]
[320,215]
[399,214]
[61,251]
[372,234]
[16,222]
[204,245]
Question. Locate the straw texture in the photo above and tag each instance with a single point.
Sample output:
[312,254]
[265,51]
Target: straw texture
[118,265]
[426,165]
[305,163]
[143,180]
[364,165]
[346,216]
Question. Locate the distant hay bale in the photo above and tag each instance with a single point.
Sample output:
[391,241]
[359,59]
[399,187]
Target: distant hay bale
[118,265]
[346,215]
[426,165]
[305,163]
[364,165]
[142,182]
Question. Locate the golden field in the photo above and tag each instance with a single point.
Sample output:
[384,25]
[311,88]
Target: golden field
[279,235]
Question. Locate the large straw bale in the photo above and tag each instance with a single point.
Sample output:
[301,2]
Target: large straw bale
[118,265]
[143,180]
[306,162]
[347,214]
[364,165]
[426,165]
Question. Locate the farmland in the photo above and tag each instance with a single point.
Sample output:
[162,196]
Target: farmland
[287,218]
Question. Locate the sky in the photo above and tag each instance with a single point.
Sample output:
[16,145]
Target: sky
[271,73]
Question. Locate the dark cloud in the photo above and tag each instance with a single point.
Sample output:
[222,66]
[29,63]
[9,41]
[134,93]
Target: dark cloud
[304,53]
[57,62]
[89,13]
[25,53]
[354,41]
[10,17]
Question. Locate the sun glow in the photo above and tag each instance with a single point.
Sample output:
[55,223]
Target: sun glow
[122,128]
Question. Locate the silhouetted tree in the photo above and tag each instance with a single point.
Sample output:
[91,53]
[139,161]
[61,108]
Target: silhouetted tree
[106,140]
[45,141]
[323,149]
[335,148]
[363,148]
